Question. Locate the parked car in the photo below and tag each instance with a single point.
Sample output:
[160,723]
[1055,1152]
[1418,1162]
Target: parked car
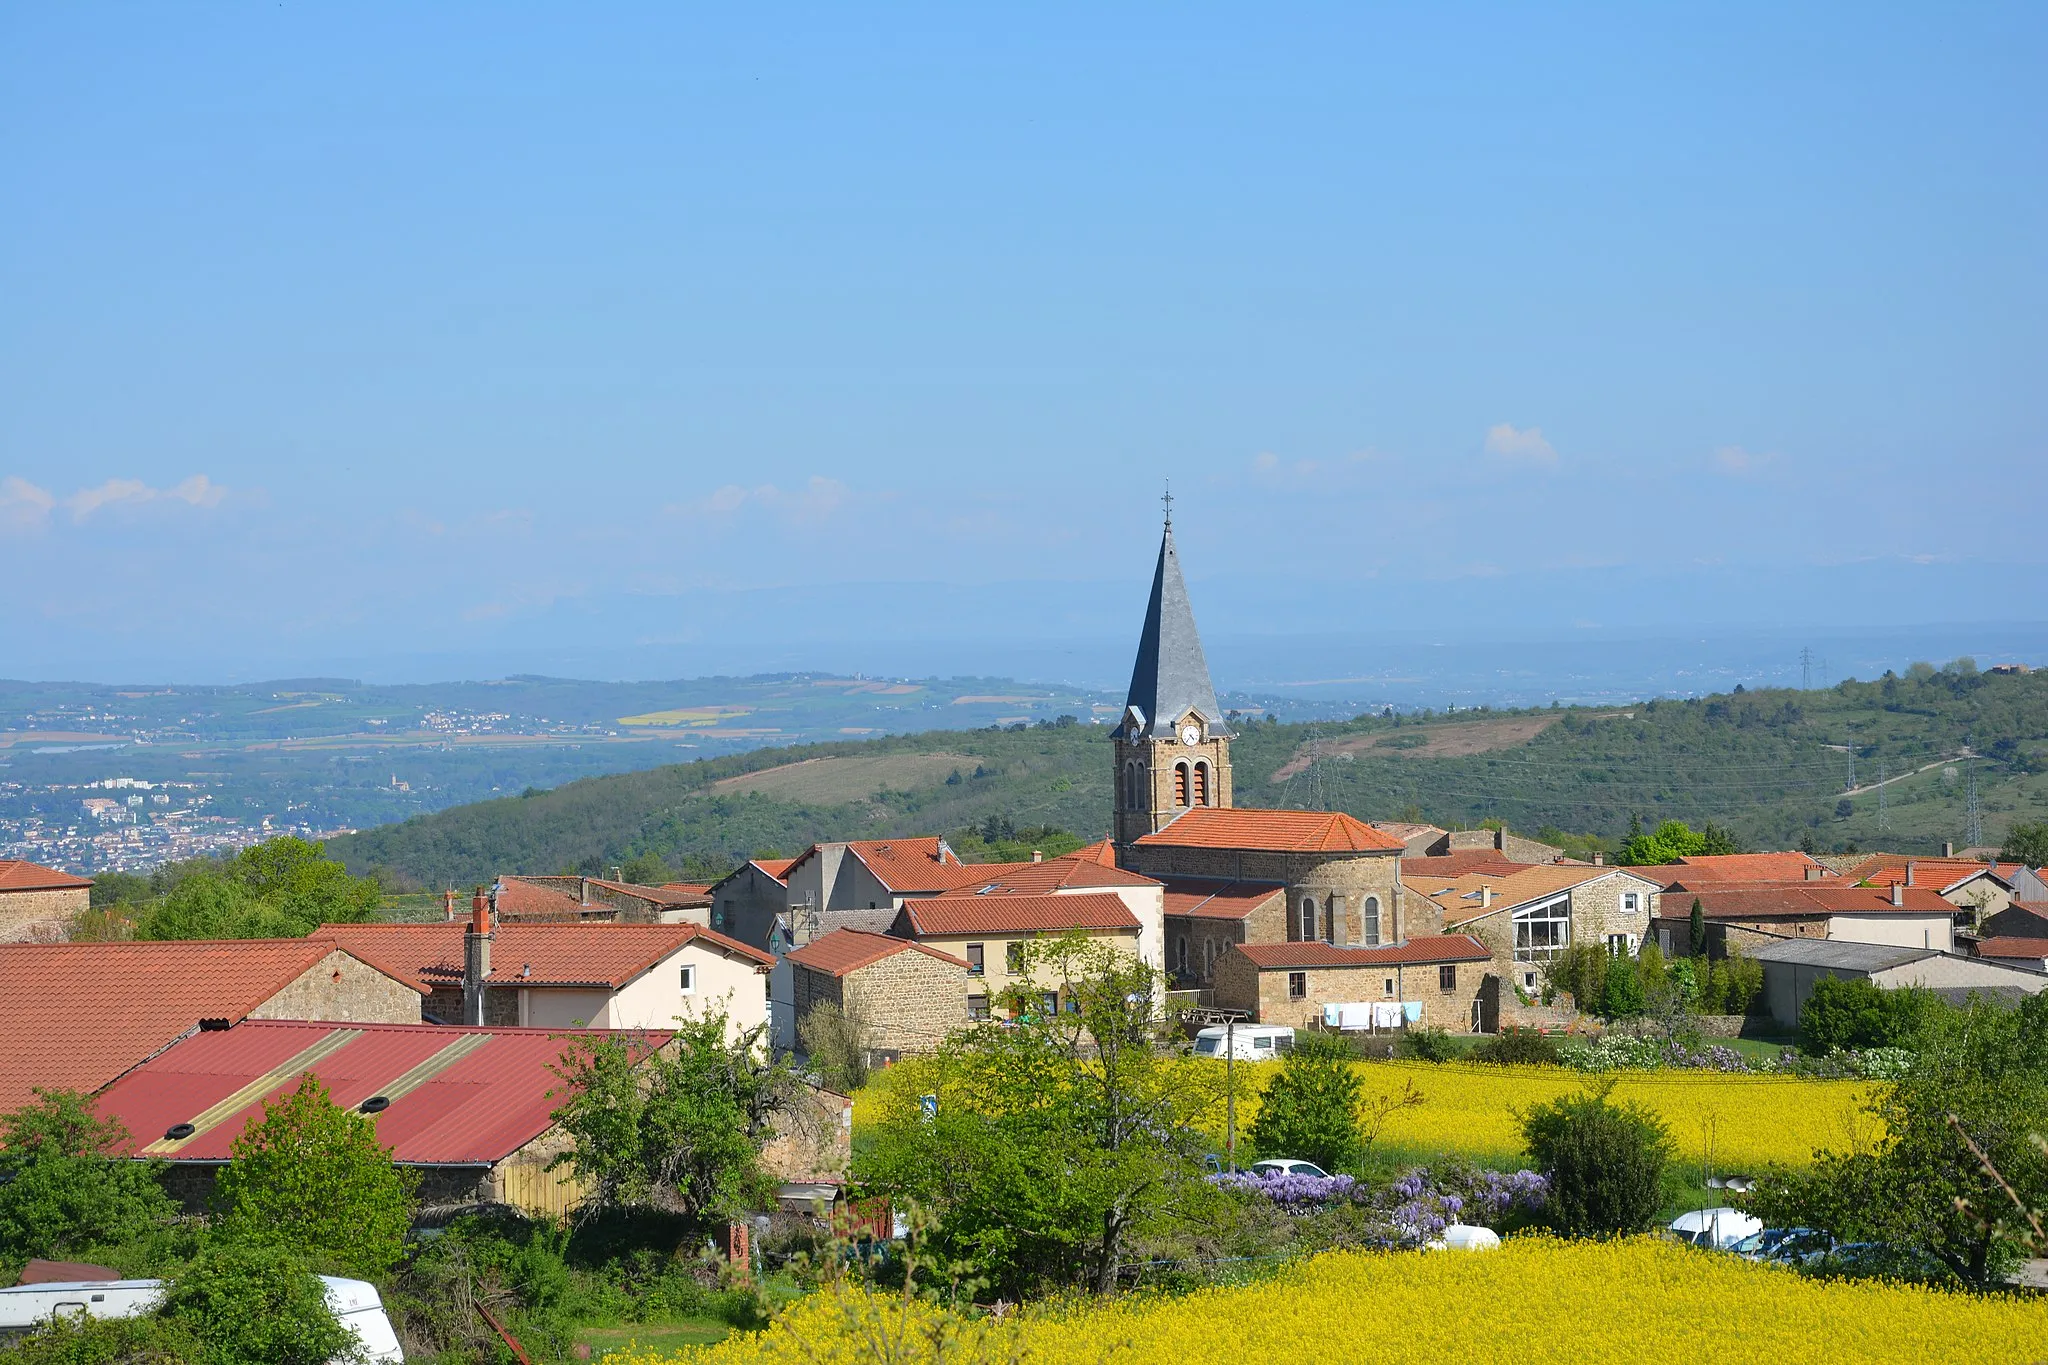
[1784,1246]
[1247,1042]
[1289,1166]
[1718,1229]
[26,1307]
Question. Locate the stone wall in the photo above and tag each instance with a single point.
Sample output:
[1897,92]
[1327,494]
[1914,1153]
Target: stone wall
[1322,876]
[1240,984]
[41,916]
[1208,940]
[909,1000]
[343,989]
[813,1139]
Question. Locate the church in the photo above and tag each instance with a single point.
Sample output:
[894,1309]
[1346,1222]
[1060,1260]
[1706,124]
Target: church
[1295,892]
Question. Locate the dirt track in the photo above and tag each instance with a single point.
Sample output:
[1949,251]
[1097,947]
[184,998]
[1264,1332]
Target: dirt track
[1454,740]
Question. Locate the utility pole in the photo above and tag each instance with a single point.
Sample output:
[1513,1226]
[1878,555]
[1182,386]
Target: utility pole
[1230,1092]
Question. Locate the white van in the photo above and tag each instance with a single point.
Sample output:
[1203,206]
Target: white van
[26,1307]
[1247,1042]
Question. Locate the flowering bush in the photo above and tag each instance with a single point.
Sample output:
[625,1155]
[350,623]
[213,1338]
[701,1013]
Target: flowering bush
[1622,1052]
[1292,1192]
[1411,1210]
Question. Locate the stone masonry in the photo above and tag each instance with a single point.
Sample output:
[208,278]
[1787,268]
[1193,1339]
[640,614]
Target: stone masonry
[909,1000]
[41,915]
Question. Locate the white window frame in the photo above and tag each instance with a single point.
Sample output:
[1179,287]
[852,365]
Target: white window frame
[1631,902]
[1556,915]
[687,979]
[1369,922]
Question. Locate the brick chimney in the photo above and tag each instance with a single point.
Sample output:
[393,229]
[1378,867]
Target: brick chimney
[1599,860]
[1898,893]
[476,958]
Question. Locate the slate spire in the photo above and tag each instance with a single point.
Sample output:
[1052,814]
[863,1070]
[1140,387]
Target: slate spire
[1171,676]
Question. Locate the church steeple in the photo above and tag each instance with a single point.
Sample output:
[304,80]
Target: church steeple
[1172,744]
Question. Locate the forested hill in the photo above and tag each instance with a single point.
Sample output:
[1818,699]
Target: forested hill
[1775,767]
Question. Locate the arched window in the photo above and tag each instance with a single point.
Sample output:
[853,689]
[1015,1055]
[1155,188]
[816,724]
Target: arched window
[1201,784]
[1370,925]
[1308,919]
[1180,784]
[1181,954]
[1131,801]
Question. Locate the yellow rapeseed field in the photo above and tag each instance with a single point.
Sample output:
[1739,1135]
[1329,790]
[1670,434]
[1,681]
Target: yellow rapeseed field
[1533,1300]
[1470,1108]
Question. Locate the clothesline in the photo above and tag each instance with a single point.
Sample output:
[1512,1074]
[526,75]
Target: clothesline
[1372,1016]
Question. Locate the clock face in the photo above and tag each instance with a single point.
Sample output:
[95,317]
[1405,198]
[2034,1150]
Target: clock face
[1191,734]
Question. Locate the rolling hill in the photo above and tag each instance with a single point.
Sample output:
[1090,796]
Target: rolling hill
[1774,766]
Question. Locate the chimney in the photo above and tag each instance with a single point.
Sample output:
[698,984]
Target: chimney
[1948,849]
[1898,893]
[448,905]
[1599,860]
[476,959]
[1037,856]
[1909,871]
[1815,873]
[1485,897]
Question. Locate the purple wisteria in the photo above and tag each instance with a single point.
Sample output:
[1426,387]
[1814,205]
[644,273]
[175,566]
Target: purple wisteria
[1411,1210]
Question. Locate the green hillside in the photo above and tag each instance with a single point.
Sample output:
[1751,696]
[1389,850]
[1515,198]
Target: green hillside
[1773,766]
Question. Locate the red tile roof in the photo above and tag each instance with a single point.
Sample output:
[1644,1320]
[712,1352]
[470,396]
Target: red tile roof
[1483,861]
[524,900]
[907,867]
[1054,874]
[1748,867]
[486,1092]
[1433,949]
[777,868]
[2009,947]
[696,890]
[79,1014]
[16,875]
[675,893]
[1274,831]
[1210,898]
[1101,851]
[607,955]
[844,951]
[1936,874]
[948,915]
[1805,900]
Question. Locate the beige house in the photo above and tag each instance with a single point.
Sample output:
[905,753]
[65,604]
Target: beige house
[38,902]
[1749,916]
[1792,967]
[1431,982]
[909,995]
[990,933]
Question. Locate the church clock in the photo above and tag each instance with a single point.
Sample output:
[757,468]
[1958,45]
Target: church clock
[1191,734]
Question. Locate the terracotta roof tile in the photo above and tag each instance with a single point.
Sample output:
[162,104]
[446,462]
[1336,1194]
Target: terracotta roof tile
[1101,851]
[844,951]
[16,875]
[1808,900]
[79,1014]
[607,955]
[1054,874]
[487,1092]
[1210,898]
[947,915]
[1478,860]
[1937,874]
[916,866]
[1433,949]
[777,868]
[1747,867]
[1277,831]
[1461,897]
[523,899]
[2007,946]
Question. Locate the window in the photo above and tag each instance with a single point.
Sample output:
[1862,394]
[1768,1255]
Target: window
[1387,988]
[1447,977]
[1369,923]
[977,1007]
[1180,784]
[1201,784]
[1180,954]
[974,959]
[1543,931]
[1134,790]
[1631,902]
[1308,919]
[1208,957]
[1049,1001]
[689,981]
[1297,985]
[1013,958]
[1528,981]
[1262,1043]
[1619,945]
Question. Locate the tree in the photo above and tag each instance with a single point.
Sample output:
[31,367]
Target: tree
[1056,1137]
[679,1129]
[837,1042]
[283,888]
[1605,1162]
[2026,843]
[1580,971]
[65,1185]
[312,1176]
[1696,925]
[257,1305]
[1979,1076]
[1622,996]
[1853,1013]
[1310,1109]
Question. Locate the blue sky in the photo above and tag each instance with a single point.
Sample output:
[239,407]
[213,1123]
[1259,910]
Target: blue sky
[421,340]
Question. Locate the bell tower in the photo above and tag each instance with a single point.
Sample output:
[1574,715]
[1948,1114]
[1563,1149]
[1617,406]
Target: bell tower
[1172,747]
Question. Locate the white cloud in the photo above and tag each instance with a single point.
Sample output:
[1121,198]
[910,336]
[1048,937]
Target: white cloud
[1524,444]
[814,502]
[197,491]
[23,506]
[1738,463]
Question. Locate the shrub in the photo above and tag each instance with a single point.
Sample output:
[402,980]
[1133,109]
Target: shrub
[1310,1110]
[1581,972]
[108,1341]
[1429,1045]
[837,1043]
[1624,997]
[1517,1047]
[62,1188]
[1855,1014]
[256,1305]
[1605,1163]
[313,1176]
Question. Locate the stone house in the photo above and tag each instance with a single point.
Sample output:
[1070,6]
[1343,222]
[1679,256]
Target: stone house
[1791,968]
[569,900]
[909,995]
[989,934]
[1746,916]
[1075,875]
[585,975]
[38,902]
[1980,888]
[80,1014]
[1205,917]
[1440,978]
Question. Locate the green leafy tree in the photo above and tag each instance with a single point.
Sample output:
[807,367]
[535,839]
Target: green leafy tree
[1605,1162]
[1580,971]
[1311,1109]
[1670,841]
[312,1176]
[2026,843]
[838,1043]
[1853,1013]
[1696,929]
[1623,995]
[65,1186]
[284,888]
[1979,1077]
[256,1305]
[1055,1139]
[679,1129]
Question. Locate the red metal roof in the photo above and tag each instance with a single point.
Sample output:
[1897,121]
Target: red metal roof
[844,951]
[1275,831]
[608,955]
[1210,898]
[1416,951]
[79,1014]
[16,875]
[476,1096]
[951,915]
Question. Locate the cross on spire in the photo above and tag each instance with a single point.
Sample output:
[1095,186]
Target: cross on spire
[1167,498]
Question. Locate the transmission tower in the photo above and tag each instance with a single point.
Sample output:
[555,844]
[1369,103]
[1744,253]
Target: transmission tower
[1884,819]
[1805,669]
[1976,818]
[1852,769]
[1317,797]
